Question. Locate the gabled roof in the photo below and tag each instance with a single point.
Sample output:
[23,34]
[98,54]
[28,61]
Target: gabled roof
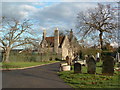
[50,40]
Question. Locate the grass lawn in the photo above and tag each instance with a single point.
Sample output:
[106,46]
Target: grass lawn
[22,64]
[85,80]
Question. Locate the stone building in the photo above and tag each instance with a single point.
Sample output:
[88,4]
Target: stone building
[65,45]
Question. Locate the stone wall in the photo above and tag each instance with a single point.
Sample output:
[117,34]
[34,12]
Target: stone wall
[65,48]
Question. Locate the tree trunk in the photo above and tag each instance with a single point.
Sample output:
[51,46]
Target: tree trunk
[7,54]
[101,40]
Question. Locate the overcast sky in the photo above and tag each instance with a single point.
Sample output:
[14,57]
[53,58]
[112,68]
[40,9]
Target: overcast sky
[47,15]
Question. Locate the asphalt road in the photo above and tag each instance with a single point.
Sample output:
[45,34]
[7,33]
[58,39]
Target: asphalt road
[38,77]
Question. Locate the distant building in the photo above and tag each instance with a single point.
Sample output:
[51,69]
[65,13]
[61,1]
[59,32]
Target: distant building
[65,45]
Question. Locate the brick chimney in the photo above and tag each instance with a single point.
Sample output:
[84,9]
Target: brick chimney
[56,40]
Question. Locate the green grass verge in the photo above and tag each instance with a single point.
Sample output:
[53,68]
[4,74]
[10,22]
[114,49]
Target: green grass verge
[85,80]
[23,64]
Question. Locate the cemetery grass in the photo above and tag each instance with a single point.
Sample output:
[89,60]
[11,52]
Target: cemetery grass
[22,64]
[85,80]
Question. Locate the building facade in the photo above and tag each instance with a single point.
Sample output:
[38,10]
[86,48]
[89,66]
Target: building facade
[65,45]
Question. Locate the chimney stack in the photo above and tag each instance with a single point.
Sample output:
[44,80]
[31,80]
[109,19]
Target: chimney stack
[71,35]
[44,34]
[56,40]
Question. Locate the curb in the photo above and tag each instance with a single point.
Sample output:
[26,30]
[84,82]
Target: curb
[25,67]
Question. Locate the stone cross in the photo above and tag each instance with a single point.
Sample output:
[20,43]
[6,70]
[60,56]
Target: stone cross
[91,65]
[77,68]
[108,65]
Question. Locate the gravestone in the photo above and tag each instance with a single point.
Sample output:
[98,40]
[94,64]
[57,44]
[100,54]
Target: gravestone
[91,65]
[108,65]
[77,68]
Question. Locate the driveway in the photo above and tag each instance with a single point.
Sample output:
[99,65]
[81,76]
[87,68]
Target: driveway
[38,77]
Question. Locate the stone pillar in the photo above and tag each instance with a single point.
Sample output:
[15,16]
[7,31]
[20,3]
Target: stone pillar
[56,40]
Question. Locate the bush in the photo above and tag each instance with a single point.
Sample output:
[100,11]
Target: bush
[24,57]
[33,57]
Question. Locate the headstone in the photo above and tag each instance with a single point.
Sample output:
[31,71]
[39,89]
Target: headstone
[91,65]
[77,68]
[108,65]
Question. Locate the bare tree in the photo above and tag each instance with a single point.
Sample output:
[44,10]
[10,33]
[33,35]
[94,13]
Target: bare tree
[98,21]
[13,33]
[35,43]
